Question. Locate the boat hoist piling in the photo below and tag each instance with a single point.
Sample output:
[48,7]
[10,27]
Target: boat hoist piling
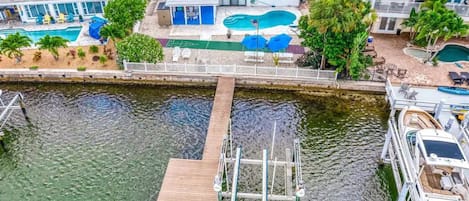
[15,103]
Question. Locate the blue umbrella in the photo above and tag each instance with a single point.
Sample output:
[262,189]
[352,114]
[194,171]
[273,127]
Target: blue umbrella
[279,42]
[253,42]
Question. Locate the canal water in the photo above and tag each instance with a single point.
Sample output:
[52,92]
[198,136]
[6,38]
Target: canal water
[107,142]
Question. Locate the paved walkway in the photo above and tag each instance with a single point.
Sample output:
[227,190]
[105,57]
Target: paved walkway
[193,179]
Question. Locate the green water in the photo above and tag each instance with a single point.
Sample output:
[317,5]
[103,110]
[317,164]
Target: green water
[100,142]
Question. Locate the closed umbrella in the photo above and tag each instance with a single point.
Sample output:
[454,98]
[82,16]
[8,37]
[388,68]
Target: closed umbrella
[253,42]
[279,42]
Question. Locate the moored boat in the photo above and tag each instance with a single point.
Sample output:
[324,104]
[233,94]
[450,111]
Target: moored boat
[454,90]
[438,160]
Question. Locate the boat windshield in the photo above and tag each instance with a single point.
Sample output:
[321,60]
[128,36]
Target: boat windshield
[443,149]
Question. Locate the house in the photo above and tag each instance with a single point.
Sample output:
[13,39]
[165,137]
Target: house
[393,12]
[29,10]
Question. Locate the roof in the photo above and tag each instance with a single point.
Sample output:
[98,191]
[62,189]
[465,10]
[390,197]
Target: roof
[190,2]
[441,149]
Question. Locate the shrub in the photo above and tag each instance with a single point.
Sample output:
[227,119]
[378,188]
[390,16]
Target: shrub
[435,61]
[102,59]
[81,68]
[94,49]
[81,53]
[37,56]
[310,58]
[33,67]
[276,59]
[95,58]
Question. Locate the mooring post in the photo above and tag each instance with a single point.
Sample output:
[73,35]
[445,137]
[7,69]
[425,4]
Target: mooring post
[23,107]
[449,124]
[439,107]
[386,146]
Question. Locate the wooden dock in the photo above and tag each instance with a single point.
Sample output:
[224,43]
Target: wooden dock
[193,179]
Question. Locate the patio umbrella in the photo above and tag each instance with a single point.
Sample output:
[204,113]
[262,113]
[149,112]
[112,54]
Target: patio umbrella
[253,42]
[279,42]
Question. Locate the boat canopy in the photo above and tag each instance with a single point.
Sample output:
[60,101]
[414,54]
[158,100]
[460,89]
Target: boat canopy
[441,149]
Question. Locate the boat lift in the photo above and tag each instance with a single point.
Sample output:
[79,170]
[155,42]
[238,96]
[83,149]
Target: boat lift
[406,173]
[6,110]
[222,182]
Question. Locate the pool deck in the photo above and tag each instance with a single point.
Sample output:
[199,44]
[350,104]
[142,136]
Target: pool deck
[193,179]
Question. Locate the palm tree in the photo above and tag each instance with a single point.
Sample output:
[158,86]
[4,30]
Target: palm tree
[411,22]
[112,32]
[52,44]
[12,44]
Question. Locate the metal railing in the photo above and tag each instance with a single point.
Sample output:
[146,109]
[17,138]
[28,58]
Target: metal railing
[232,70]
[405,7]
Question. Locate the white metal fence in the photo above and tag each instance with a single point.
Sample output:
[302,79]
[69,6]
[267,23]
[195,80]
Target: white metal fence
[233,70]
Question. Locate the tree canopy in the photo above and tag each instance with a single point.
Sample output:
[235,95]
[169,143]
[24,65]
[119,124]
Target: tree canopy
[140,48]
[125,13]
[52,44]
[112,31]
[12,44]
[338,30]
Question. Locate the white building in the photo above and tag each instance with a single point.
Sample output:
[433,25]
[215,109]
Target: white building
[392,12]
[28,10]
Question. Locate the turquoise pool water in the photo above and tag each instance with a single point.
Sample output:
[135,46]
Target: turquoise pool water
[267,20]
[70,33]
[453,53]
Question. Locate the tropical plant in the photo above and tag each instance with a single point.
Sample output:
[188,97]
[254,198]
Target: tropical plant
[12,44]
[112,32]
[33,67]
[276,59]
[125,13]
[331,30]
[81,68]
[52,44]
[411,22]
[37,56]
[139,48]
[93,49]
[102,59]
[435,21]
[81,53]
[72,53]
[310,58]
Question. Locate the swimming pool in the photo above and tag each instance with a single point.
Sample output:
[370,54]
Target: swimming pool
[453,53]
[70,33]
[243,22]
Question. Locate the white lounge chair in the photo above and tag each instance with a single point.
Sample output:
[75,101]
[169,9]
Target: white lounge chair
[186,53]
[176,53]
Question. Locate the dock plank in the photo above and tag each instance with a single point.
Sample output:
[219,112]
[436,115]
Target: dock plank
[193,179]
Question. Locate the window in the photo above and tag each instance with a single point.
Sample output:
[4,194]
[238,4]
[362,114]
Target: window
[387,24]
[66,8]
[91,8]
[36,10]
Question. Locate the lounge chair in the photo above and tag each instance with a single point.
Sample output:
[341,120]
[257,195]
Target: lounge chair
[186,53]
[404,89]
[61,18]
[70,17]
[465,75]
[176,53]
[457,79]
[40,20]
[47,19]
[401,72]
[412,95]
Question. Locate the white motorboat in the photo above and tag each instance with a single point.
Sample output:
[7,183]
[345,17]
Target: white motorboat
[436,156]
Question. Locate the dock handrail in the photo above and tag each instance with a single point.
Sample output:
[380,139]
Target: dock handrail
[234,187]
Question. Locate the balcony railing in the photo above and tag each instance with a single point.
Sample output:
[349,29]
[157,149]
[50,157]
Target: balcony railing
[405,8]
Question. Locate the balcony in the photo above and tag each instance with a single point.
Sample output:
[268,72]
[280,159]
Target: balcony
[406,7]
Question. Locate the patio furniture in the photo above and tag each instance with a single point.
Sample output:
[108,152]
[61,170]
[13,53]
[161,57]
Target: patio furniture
[369,48]
[70,17]
[47,19]
[40,20]
[380,69]
[250,56]
[457,79]
[61,18]
[412,95]
[404,89]
[379,61]
[186,53]
[372,53]
[401,72]
[176,53]
[465,76]
[285,57]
